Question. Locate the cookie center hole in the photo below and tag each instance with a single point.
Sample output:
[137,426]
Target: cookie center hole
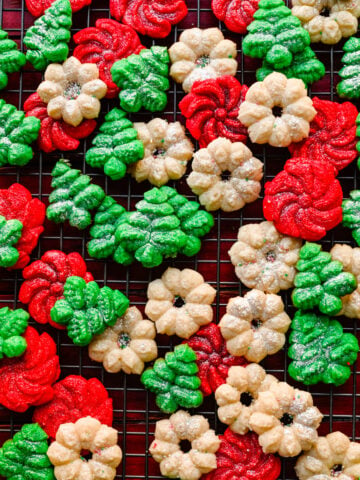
[72,90]
[277,111]
[159,152]
[203,61]
[124,340]
[246,399]
[85,455]
[325,12]
[286,419]
[225,175]
[271,256]
[178,302]
[256,324]
[185,446]
[336,470]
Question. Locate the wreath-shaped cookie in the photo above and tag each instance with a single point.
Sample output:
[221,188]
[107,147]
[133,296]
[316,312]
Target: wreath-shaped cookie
[297,111]
[264,258]
[342,21]
[166,449]
[333,456]
[167,151]
[180,302]
[201,54]
[236,397]
[210,163]
[254,326]
[127,345]
[90,435]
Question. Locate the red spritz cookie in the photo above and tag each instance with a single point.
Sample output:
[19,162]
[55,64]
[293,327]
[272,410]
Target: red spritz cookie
[236,14]
[304,199]
[16,202]
[153,18]
[211,110]
[104,44]
[38,7]
[56,134]
[241,457]
[27,381]
[212,357]
[44,282]
[332,135]
[74,398]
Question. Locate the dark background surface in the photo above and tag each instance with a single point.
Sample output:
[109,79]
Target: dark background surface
[135,412]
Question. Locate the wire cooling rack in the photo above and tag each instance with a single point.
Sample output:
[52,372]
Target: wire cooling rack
[135,412]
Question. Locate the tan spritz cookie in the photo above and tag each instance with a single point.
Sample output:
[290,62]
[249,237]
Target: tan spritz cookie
[127,345]
[333,456]
[297,111]
[166,449]
[201,54]
[72,91]
[236,397]
[90,435]
[264,258]
[254,326]
[219,157]
[167,151]
[180,302]
[285,420]
[342,21]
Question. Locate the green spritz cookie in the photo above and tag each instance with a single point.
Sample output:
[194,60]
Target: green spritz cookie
[24,456]
[116,147]
[17,132]
[320,350]
[320,281]
[73,197]
[13,324]
[174,380]
[47,40]
[143,79]
[351,214]
[11,59]
[87,309]
[10,233]
[350,73]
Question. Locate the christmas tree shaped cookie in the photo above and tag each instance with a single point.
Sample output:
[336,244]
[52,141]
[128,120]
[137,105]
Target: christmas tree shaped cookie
[116,146]
[11,59]
[351,214]
[350,73]
[174,380]
[143,79]
[10,233]
[87,309]
[73,197]
[47,40]
[13,324]
[24,456]
[320,281]
[320,350]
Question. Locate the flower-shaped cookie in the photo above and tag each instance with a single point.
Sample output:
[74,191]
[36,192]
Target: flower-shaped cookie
[201,54]
[236,14]
[212,357]
[333,456]
[90,435]
[211,110]
[350,258]
[127,345]
[180,302]
[38,7]
[167,151]
[289,94]
[236,397]
[254,325]
[210,163]
[72,91]
[264,258]
[342,21]
[304,200]
[166,449]
[285,420]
